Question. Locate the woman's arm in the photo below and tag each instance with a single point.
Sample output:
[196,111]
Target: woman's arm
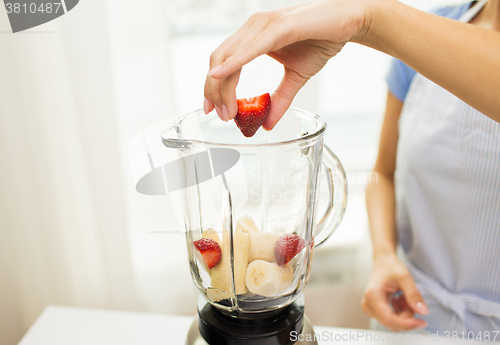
[380,198]
[462,58]
[388,273]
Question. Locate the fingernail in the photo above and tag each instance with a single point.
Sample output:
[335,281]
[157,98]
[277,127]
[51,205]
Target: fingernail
[423,325]
[213,70]
[422,308]
[225,113]
[218,110]
[206,107]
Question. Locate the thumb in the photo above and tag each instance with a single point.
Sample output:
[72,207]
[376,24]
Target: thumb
[282,98]
[413,297]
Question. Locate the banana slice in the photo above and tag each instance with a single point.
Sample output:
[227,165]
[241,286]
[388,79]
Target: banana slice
[221,277]
[262,245]
[241,259]
[246,224]
[211,233]
[268,279]
[220,282]
[216,295]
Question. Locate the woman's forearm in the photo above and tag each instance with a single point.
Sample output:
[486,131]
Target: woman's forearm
[380,203]
[462,58]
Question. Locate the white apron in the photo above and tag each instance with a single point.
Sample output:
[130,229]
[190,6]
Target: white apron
[447,183]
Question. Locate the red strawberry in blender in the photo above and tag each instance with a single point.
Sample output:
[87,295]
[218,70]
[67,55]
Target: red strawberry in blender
[252,113]
[209,250]
[287,247]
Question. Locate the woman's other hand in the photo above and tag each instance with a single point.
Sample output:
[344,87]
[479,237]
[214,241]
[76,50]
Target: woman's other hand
[389,276]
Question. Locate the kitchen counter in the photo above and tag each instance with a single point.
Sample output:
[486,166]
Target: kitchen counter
[78,326]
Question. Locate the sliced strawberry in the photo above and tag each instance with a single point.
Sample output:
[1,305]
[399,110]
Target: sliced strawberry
[252,113]
[210,251]
[286,247]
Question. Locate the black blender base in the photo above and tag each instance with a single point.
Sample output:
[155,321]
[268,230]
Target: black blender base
[283,327]
[195,338]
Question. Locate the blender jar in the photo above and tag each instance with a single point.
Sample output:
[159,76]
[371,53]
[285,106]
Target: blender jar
[258,200]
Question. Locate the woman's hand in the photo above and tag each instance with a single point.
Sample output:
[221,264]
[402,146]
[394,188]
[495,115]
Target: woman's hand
[388,276]
[301,37]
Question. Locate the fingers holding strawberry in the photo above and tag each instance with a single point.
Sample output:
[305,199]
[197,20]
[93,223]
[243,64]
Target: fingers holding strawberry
[392,296]
[282,98]
[302,38]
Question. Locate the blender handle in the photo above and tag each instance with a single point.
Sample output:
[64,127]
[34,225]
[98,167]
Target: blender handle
[337,184]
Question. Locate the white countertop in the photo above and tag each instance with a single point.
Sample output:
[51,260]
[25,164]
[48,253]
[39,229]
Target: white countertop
[79,326]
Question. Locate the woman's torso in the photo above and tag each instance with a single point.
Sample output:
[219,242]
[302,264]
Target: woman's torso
[448,206]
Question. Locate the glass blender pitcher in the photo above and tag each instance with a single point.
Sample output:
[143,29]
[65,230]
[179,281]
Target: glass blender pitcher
[257,202]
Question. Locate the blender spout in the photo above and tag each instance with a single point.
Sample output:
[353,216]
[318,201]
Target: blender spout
[171,138]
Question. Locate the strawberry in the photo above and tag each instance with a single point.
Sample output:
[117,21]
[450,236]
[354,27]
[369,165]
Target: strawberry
[286,247]
[398,302]
[210,251]
[252,113]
